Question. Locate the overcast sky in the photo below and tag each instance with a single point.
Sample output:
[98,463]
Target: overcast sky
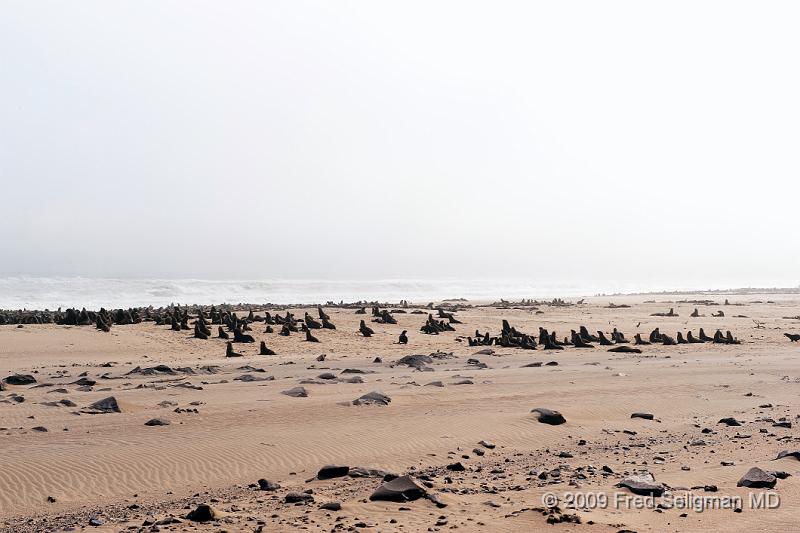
[561,141]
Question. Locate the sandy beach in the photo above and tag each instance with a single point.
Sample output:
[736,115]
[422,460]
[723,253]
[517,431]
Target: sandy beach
[399,267]
[230,423]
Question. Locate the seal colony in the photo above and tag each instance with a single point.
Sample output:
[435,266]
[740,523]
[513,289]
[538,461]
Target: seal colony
[378,415]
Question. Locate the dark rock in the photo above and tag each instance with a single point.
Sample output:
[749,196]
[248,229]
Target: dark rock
[418,362]
[331,506]
[157,422]
[332,471]
[787,453]
[20,379]
[106,405]
[372,398]
[548,416]
[204,513]
[360,471]
[401,489]
[265,484]
[298,497]
[646,416]
[755,478]
[296,392]
[438,502]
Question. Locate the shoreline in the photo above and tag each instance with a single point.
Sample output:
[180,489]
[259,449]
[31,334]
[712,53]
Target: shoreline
[444,302]
[51,293]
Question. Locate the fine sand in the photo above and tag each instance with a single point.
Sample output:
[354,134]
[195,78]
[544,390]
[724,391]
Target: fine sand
[228,433]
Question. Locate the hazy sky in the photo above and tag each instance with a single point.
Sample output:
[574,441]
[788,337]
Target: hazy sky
[561,141]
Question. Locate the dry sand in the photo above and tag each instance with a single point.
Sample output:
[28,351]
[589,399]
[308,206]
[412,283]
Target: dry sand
[113,467]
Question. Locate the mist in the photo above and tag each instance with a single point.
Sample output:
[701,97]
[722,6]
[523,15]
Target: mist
[564,142]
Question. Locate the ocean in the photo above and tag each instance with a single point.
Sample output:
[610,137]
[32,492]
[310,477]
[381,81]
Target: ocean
[30,292]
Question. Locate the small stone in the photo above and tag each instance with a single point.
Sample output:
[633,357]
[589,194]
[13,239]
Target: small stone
[331,506]
[298,497]
[157,422]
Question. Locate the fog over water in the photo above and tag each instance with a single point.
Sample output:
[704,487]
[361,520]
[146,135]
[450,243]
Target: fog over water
[51,293]
[545,148]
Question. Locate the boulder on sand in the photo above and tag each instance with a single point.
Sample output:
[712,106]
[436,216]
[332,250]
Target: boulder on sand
[332,471]
[548,416]
[401,489]
[265,484]
[20,379]
[418,362]
[296,392]
[106,405]
[642,484]
[205,513]
[755,478]
[331,506]
[157,422]
[372,398]
[787,453]
[298,497]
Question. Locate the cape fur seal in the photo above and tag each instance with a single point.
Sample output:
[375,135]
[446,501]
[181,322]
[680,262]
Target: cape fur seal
[229,350]
[264,350]
[365,330]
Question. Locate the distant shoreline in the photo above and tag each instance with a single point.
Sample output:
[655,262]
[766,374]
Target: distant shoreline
[422,303]
[717,292]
